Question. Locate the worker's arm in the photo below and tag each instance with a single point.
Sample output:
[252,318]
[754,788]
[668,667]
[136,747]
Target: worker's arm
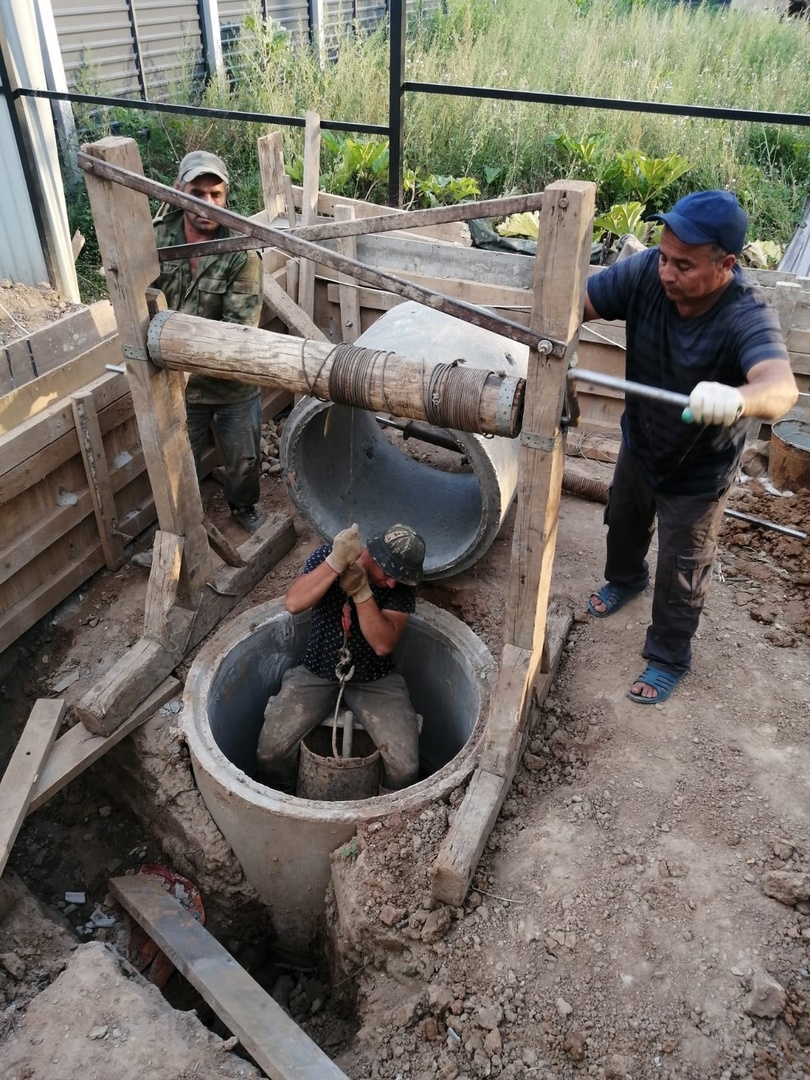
[590,311]
[308,588]
[381,627]
[770,390]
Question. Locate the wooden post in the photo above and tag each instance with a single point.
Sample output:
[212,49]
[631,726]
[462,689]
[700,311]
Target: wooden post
[271,167]
[563,254]
[309,206]
[127,243]
[349,301]
[98,477]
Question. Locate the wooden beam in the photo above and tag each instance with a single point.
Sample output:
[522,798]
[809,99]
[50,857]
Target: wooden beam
[161,592]
[504,742]
[98,477]
[270,150]
[16,787]
[106,705]
[222,546]
[273,1040]
[561,270]
[78,748]
[349,301]
[126,239]
[294,317]
[291,244]
[309,207]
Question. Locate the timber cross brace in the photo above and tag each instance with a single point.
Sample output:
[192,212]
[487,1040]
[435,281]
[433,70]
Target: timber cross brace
[187,597]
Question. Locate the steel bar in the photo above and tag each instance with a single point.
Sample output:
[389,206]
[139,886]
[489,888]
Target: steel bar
[653,393]
[796,533]
[293,245]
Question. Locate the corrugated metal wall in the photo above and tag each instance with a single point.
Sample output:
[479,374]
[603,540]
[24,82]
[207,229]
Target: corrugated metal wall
[22,257]
[137,48]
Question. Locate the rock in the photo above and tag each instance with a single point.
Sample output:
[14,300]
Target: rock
[574,1045]
[786,886]
[492,1043]
[766,999]
[783,849]
[532,762]
[390,915]
[563,1008]
[13,965]
[436,924]
[489,1017]
[429,1029]
[439,998]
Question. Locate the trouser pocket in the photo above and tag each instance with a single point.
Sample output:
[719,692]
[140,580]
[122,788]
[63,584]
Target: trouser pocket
[691,580]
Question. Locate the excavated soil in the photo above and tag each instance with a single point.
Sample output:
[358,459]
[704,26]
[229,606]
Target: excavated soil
[641,909]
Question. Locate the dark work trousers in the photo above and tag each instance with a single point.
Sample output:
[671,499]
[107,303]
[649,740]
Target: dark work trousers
[239,428]
[304,700]
[687,544]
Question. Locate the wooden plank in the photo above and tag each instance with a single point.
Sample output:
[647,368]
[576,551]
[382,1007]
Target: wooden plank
[91,448]
[30,400]
[273,1040]
[289,312]
[374,299]
[78,749]
[106,705]
[785,296]
[800,363]
[347,290]
[126,239]
[293,265]
[270,149]
[60,341]
[222,545]
[20,361]
[504,743]
[309,206]
[563,252]
[39,735]
[161,592]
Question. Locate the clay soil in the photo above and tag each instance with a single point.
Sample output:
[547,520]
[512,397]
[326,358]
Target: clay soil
[641,910]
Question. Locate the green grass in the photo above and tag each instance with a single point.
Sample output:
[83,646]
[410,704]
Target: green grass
[599,48]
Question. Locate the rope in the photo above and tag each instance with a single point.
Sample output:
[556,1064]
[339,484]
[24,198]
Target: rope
[350,377]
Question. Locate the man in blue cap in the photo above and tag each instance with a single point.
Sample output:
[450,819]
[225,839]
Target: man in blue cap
[696,327]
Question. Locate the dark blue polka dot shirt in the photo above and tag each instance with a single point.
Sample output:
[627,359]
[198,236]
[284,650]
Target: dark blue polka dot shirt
[326,633]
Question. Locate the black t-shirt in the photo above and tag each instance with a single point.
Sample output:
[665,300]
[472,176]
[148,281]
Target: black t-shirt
[667,351]
[326,633]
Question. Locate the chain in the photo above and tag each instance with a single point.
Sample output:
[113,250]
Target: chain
[344,670]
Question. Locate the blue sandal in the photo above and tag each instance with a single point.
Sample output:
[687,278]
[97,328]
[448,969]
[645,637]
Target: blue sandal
[662,681]
[613,597]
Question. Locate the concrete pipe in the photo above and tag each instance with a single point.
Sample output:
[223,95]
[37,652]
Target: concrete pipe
[339,465]
[283,842]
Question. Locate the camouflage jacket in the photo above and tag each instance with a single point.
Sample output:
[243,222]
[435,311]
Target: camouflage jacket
[225,287]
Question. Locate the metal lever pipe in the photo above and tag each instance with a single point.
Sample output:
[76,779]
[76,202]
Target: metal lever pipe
[653,393]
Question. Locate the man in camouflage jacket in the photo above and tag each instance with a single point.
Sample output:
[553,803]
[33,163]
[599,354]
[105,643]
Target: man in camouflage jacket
[228,288]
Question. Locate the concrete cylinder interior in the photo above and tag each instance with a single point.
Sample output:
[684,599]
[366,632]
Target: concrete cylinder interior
[340,466]
[283,842]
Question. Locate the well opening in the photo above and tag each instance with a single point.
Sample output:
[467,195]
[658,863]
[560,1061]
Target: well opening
[283,842]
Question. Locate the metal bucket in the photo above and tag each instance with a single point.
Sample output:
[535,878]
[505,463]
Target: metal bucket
[323,776]
[790,453]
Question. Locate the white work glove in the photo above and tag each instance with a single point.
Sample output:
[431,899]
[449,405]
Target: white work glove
[354,582]
[346,547]
[714,403]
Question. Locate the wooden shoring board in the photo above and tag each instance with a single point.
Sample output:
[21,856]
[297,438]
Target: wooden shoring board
[504,742]
[16,787]
[99,484]
[30,400]
[106,705]
[126,239]
[293,317]
[309,206]
[349,302]
[273,1040]
[78,748]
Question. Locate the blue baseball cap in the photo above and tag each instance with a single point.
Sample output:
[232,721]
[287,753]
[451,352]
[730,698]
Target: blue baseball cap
[708,217]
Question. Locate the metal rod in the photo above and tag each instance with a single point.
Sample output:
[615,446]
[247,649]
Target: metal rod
[767,524]
[653,393]
[412,429]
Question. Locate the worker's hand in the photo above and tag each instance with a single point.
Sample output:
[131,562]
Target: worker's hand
[346,547]
[714,403]
[354,583]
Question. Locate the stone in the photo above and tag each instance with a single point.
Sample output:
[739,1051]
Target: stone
[390,915]
[492,1043]
[787,886]
[563,1008]
[13,965]
[766,998]
[574,1045]
[489,1017]
[436,925]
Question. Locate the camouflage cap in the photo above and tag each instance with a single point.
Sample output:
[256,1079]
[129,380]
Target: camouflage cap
[201,163]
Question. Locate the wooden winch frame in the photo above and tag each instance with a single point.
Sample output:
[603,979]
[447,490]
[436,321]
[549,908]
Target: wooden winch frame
[186,596]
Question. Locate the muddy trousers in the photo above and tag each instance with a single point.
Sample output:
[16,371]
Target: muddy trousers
[687,545]
[304,700]
[239,429]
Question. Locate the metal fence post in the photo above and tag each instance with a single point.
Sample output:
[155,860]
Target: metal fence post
[396,100]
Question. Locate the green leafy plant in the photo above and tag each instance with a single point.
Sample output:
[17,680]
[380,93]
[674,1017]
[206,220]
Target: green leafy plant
[520,225]
[644,178]
[439,190]
[351,850]
[360,164]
